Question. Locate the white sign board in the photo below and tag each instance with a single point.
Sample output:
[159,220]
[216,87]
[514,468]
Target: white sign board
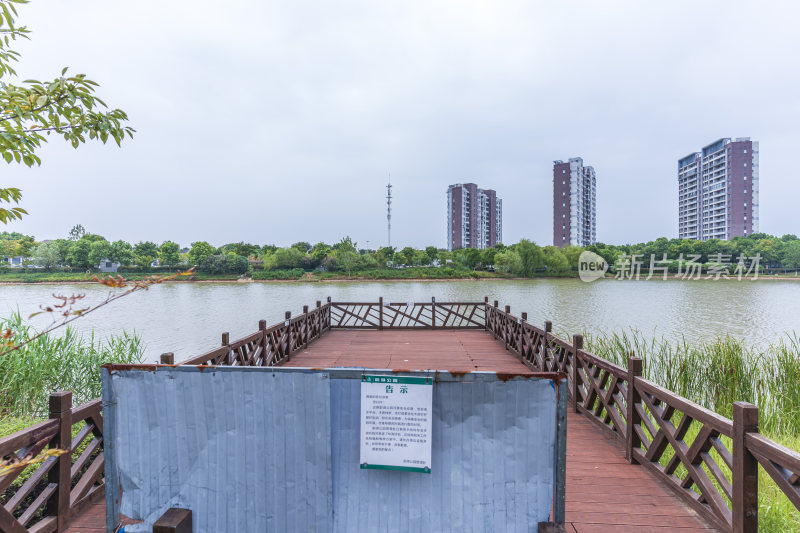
[396,423]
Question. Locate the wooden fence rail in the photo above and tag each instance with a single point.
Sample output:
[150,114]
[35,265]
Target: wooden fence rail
[709,461]
[61,485]
[408,315]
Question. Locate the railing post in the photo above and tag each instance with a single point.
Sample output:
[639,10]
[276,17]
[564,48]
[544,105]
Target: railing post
[168,358]
[745,470]
[380,312]
[507,327]
[328,320]
[632,440]
[485,313]
[521,342]
[319,319]
[577,344]
[433,312]
[305,326]
[288,325]
[58,505]
[548,327]
[226,341]
[262,327]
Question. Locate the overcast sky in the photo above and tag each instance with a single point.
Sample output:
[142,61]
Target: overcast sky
[274,122]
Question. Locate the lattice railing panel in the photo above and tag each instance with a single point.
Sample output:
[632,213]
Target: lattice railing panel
[601,390]
[26,500]
[682,442]
[779,462]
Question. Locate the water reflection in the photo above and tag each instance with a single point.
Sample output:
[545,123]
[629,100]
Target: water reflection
[188,318]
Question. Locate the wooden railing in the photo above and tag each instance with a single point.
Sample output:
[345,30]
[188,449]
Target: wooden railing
[408,315]
[60,486]
[709,461]
[268,346]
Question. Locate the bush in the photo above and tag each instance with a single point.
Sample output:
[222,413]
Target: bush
[294,273]
[229,263]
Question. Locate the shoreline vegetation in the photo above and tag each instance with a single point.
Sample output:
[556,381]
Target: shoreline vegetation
[83,255]
[417,275]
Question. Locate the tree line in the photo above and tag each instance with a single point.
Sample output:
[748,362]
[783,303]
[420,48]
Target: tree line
[85,251]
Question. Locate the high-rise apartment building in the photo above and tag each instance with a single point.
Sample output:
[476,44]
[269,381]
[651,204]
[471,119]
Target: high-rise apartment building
[718,191]
[574,203]
[474,217]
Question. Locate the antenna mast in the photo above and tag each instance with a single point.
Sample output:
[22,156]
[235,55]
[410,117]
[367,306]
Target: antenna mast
[389,209]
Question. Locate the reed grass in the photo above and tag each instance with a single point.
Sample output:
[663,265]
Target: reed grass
[52,363]
[716,374]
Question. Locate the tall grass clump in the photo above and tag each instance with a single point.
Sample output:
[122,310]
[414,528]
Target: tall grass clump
[715,374]
[52,363]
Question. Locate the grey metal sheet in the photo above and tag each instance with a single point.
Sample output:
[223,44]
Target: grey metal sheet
[244,451]
[492,462]
[258,449]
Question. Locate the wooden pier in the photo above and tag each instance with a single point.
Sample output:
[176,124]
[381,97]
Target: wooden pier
[620,426]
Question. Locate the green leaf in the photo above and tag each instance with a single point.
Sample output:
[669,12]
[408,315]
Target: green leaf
[8,157]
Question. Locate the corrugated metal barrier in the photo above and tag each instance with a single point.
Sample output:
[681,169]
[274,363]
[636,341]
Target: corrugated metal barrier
[260,449]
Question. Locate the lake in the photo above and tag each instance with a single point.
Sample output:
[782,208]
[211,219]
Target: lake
[188,318]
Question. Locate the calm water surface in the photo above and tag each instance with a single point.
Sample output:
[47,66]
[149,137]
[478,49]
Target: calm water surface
[188,318]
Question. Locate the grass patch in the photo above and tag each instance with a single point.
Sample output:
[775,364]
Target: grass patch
[53,363]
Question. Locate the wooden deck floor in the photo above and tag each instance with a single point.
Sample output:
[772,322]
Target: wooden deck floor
[604,492]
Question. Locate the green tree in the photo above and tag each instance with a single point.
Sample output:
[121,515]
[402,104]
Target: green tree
[121,252]
[93,237]
[284,258]
[573,253]
[407,254]
[346,254]
[555,261]
[169,253]
[144,253]
[244,249]
[530,257]
[199,251]
[488,256]
[433,253]
[302,246]
[384,255]
[76,232]
[791,255]
[79,253]
[227,263]
[32,110]
[320,252]
[14,244]
[99,251]
[63,248]
[47,255]
[508,261]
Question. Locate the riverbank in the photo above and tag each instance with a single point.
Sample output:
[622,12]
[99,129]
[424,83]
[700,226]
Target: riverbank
[416,274]
[82,278]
